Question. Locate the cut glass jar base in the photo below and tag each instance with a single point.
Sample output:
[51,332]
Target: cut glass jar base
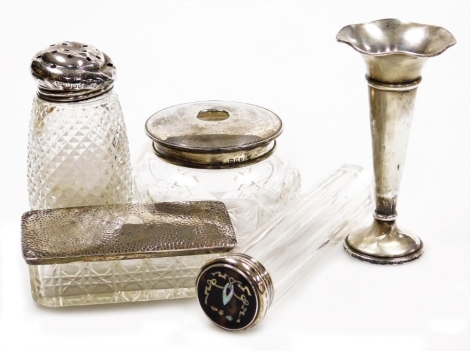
[254,195]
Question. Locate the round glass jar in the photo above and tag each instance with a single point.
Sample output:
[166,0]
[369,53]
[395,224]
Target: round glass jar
[217,150]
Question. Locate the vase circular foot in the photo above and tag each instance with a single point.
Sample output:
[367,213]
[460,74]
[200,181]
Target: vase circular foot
[383,243]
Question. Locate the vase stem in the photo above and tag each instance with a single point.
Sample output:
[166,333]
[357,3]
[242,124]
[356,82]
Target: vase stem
[391,112]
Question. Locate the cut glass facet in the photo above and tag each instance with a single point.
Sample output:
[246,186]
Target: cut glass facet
[78,154]
[90,283]
[253,194]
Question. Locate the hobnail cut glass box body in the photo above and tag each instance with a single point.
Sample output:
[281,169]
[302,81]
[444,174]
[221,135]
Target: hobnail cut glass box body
[78,154]
[90,283]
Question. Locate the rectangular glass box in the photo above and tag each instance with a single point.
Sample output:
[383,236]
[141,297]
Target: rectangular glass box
[122,253]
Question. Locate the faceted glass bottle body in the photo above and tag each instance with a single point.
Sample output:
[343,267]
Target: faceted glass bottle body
[236,290]
[78,153]
[253,194]
[320,219]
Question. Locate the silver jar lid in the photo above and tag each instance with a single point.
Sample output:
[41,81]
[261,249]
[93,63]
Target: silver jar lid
[70,71]
[214,134]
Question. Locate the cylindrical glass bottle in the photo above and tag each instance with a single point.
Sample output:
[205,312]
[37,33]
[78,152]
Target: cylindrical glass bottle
[235,291]
[78,153]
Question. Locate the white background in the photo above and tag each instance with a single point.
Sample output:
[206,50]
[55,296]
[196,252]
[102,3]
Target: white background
[281,55]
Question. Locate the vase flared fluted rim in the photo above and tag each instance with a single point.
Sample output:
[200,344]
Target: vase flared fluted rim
[392,36]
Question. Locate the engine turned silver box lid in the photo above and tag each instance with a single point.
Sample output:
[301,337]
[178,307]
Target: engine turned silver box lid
[71,71]
[214,134]
[125,231]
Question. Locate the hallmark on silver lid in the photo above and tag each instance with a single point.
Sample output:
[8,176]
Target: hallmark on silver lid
[214,134]
[69,71]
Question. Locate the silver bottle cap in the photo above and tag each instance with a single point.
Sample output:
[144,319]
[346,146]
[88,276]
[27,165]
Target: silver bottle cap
[70,71]
[214,134]
[234,291]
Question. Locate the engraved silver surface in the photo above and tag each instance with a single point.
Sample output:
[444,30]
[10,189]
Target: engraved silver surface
[395,53]
[214,134]
[133,231]
[69,71]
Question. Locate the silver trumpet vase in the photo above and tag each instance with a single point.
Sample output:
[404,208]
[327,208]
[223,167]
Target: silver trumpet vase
[394,52]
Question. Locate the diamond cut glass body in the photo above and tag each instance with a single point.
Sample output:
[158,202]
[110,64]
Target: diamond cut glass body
[78,154]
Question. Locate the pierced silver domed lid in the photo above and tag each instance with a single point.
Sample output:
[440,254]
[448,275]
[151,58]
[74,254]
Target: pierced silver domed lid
[70,71]
[214,134]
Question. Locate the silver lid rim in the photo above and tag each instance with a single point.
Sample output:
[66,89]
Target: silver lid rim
[216,159]
[56,96]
